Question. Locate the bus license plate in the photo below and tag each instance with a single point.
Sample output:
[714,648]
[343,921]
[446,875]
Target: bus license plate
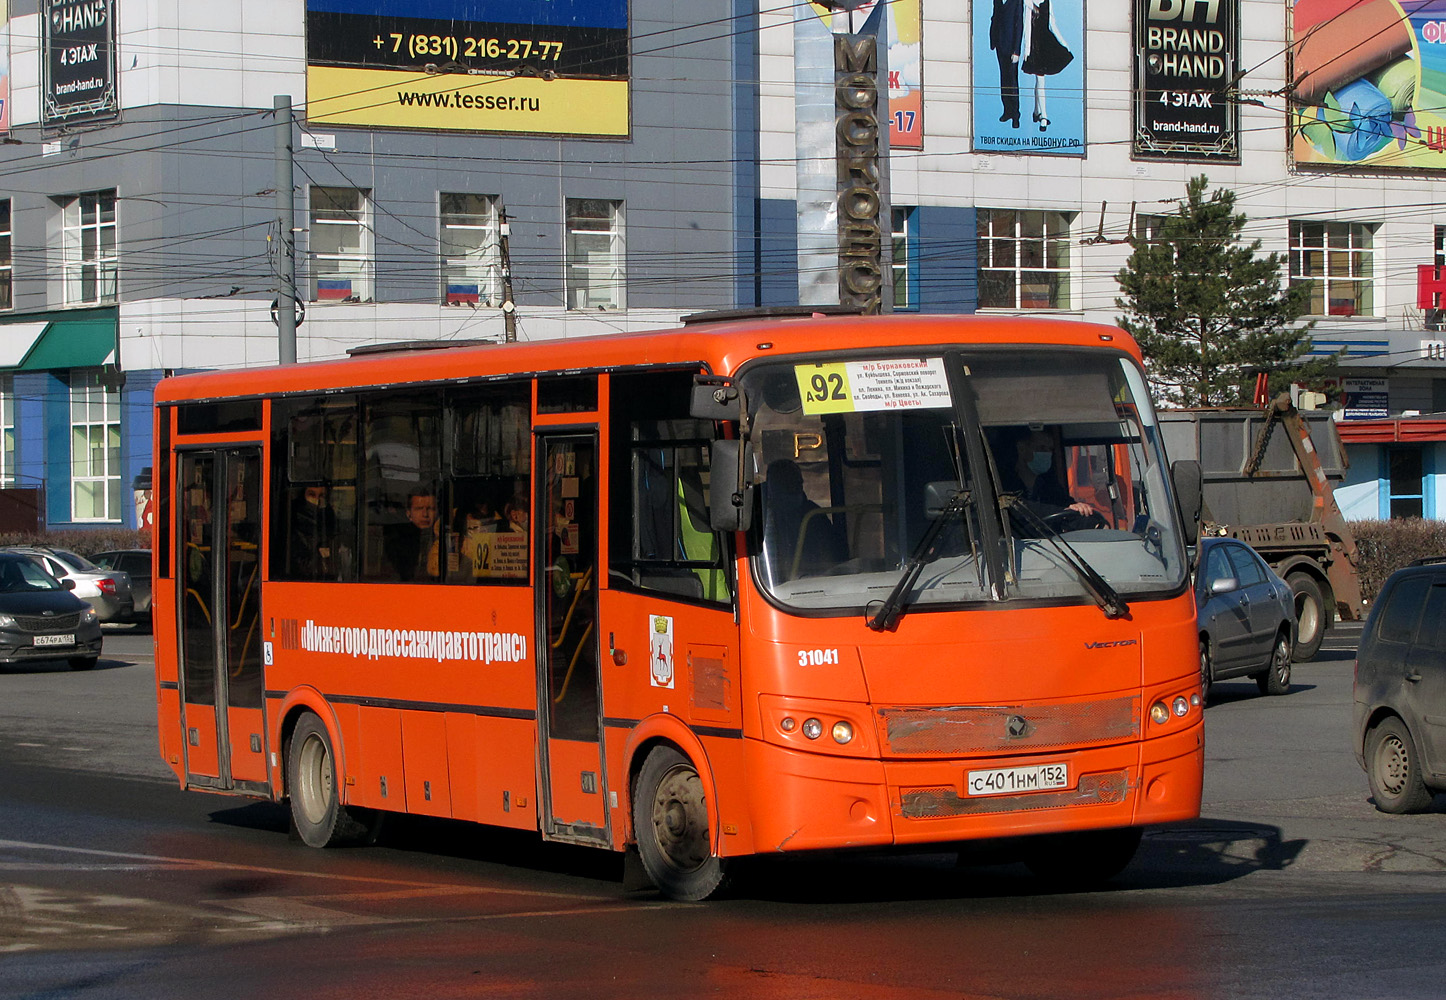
[1012,780]
[55,640]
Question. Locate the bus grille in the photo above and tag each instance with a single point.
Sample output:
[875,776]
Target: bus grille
[34,623]
[967,729]
[936,803]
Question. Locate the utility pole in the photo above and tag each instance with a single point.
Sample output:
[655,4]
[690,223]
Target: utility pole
[286,227]
[509,306]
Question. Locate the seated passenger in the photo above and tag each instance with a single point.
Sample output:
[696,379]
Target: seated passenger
[411,547]
[313,530]
[799,539]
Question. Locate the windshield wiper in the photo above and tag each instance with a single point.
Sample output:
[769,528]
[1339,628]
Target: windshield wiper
[893,607]
[1105,596]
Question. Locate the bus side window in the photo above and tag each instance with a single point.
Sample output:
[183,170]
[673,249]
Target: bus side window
[661,539]
[488,447]
[402,536]
[313,475]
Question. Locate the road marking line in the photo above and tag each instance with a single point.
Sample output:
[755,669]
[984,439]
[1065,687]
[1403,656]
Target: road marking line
[204,864]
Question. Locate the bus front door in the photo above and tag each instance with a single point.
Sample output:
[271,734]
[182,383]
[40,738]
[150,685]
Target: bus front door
[573,786]
[220,617]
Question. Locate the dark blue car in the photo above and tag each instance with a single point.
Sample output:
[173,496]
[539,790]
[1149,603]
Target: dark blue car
[40,619]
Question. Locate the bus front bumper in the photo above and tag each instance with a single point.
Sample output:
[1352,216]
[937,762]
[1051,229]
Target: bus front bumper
[812,801]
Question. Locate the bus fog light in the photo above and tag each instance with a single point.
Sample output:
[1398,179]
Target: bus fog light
[788,724]
[812,728]
[1181,706]
[1159,714]
[842,732]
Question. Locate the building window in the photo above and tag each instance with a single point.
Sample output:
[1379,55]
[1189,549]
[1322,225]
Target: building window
[471,251]
[1336,256]
[1406,481]
[7,430]
[95,480]
[1023,259]
[595,254]
[88,258]
[341,245]
[7,260]
[1149,228]
[905,240]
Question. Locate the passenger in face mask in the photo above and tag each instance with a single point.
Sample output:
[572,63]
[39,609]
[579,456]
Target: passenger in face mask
[1035,473]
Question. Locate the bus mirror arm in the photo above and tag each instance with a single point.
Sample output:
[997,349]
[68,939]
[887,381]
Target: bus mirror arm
[714,398]
[1189,485]
[730,496]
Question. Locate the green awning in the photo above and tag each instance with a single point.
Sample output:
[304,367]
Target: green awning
[85,340]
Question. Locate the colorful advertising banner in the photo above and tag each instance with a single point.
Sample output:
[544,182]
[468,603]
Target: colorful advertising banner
[1370,83]
[78,61]
[906,61]
[1185,60]
[1029,93]
[556,67]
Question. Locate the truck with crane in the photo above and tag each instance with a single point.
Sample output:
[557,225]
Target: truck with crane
[1268,480]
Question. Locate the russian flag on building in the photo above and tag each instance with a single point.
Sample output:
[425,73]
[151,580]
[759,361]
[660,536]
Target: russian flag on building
[458,295]
[333,289]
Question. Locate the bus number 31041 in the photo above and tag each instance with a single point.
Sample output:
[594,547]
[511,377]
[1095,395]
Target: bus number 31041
[817,657]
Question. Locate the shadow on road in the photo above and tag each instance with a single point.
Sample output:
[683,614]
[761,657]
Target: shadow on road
[61,667]
[1206,852]
[1227,692]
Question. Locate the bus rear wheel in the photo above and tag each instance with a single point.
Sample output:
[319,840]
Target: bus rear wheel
[1080,860]
[317,814]
[670,820]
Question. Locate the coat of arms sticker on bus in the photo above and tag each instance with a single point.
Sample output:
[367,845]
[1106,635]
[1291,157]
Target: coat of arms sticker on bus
[660,659]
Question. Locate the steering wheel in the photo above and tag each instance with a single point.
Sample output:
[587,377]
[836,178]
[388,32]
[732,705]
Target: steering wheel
[1073,520]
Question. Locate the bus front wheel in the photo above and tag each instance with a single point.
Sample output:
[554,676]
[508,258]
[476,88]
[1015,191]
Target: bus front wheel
[1078,860]
[317,814]
[670,819]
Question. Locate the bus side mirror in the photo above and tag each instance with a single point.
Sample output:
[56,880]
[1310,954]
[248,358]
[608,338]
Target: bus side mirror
[729,508]
[1189,485]
[714,398]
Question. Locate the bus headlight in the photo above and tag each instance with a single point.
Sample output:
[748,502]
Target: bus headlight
[812,728]
[842,733]
[1181,706]
[1159,714]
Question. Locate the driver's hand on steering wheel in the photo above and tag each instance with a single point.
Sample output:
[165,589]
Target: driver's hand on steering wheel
[1082,508]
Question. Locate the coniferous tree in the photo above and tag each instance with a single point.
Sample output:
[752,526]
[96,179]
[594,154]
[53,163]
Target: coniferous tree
[1209,311]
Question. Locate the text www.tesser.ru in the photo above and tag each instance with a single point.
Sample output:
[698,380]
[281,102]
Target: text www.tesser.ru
[474,102]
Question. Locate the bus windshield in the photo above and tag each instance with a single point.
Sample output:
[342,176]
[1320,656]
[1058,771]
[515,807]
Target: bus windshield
[1052,454]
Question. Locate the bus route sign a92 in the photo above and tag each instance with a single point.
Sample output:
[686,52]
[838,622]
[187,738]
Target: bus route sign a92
[550,67]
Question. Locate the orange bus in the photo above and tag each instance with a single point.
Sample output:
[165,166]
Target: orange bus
[743,587]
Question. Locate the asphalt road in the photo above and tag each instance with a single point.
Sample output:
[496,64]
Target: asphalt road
[113,883]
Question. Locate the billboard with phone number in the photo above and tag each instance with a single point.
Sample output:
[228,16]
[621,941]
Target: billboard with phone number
[557,67]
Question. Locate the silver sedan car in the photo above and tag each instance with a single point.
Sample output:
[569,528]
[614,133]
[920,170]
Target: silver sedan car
[106,590]
[1246,615]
